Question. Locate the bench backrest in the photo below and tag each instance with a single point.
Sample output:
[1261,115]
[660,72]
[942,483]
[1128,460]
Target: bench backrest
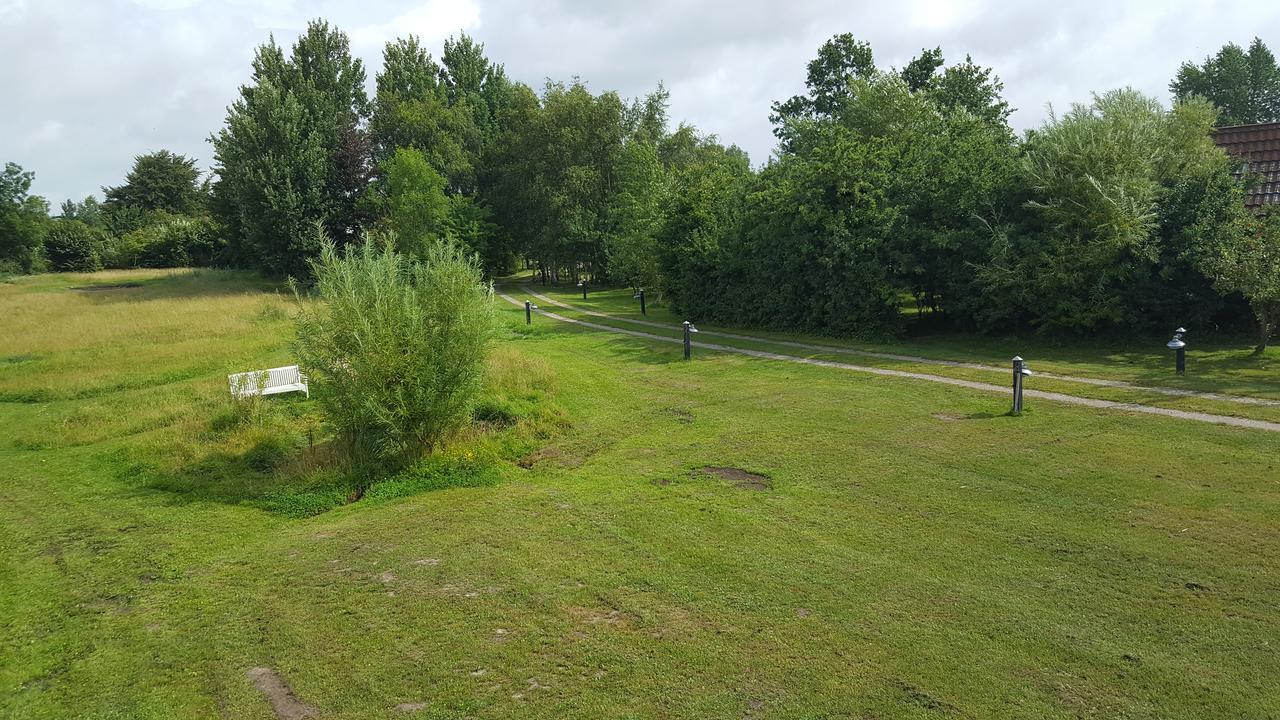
[248,382]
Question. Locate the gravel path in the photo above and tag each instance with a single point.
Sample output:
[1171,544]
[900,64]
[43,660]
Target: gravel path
[973,385]
[1097,382]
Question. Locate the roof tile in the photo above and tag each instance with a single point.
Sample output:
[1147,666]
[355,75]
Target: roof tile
[1259,146]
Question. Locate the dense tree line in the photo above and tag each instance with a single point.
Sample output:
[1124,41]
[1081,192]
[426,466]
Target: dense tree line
[888,188]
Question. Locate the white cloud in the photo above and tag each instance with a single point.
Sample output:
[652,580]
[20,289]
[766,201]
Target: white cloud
[102,81]
[431,21]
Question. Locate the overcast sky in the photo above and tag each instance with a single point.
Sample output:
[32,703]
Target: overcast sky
[89,84]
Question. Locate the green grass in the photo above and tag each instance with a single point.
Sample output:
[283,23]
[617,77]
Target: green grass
[1222,363]
[1225,365]
[919,553]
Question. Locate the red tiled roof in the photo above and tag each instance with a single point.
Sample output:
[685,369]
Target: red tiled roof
[1259,146]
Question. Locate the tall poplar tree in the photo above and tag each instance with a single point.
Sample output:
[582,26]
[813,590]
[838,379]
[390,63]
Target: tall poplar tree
[292,152]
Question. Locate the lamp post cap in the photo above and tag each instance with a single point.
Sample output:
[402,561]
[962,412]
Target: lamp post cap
[1017,358]
[1180,330]
[1175,344]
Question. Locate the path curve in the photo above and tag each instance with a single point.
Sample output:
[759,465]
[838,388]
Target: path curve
[1097,382]
[971,384]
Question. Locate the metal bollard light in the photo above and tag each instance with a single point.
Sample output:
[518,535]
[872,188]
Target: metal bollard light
[688,345]
[583,284]
[1020,371]
[529,307]
[640,297]
[1179,348]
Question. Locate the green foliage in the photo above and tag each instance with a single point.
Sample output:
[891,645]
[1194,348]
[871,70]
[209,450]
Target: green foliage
[553,172]
[701,211]
[158,181]
[72,246]
[397,347]
[88,211]
[412,111]
[1249,263]
[840,60]
[1243,84]
[291,153]
[1098,179]
[23,218]
[174,242]
[411,202]
[814,242]
[636,213]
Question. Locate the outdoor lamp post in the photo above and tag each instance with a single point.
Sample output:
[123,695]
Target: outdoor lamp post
[1179,349]
[583,284]
[688,346]
[640,296]
[1020,371]
[529,307]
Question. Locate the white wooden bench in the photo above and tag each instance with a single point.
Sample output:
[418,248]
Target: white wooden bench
[268,382]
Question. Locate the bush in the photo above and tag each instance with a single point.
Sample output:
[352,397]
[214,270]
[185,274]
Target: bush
[397,349]
[173,241]
[72,246]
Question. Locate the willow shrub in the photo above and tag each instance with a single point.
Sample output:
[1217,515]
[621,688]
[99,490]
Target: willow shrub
[396,347]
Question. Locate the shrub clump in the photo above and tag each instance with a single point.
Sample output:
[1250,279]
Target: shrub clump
[169,241]
[396,348]
[72,246]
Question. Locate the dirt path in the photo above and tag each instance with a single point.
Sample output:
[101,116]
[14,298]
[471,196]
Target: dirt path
[1097,382]
[973,385]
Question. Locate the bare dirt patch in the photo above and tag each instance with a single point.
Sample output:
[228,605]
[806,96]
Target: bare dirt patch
[611,617]
[739,477]
[286,705]
[949,416]
[411,707]
[547,453]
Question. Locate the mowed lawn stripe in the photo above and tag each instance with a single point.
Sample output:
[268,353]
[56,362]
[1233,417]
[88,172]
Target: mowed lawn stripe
[971,384]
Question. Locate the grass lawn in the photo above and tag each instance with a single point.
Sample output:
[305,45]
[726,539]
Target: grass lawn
[1223,364]
[911,553]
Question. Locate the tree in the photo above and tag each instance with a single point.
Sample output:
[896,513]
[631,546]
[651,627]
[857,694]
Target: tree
[290,156]
[397,348]
[1243,84]
[636,214]
[72,246]
[159,181]
[553,175]
[23,218]
[1249,263]
[88,211]
[701,212]
[1087,255]
[412,110]
[410,200]
[812,251]
[839,60]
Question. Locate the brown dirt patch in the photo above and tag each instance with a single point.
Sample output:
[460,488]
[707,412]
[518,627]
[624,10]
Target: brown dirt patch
[105,288]
[949,416]
[741,478]
[599,616]
[286,705]
[547,453]
[411,707]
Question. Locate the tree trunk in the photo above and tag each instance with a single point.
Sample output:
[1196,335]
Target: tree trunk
[1264,327]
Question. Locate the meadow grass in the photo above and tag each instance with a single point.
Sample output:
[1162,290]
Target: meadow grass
[914,552]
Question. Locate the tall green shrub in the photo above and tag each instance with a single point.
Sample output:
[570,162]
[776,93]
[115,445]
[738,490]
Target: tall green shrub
[396,346]
[72,246]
